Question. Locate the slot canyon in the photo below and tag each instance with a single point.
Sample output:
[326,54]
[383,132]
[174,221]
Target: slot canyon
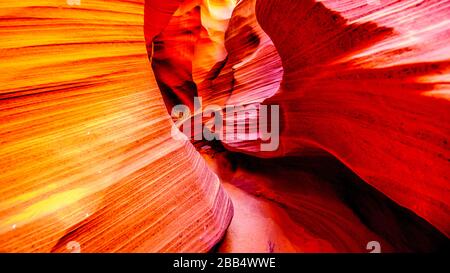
[87,147]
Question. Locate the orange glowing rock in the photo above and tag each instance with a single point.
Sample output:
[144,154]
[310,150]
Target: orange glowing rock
[86,152]
[353,82]
[88,162]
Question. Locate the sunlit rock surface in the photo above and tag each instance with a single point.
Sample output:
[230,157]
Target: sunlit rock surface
[366,83]
[375,116]
[86,152]
[88,157]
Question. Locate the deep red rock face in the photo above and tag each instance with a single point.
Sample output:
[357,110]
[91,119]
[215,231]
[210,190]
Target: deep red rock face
[374,117]
[91,158]
[363,83]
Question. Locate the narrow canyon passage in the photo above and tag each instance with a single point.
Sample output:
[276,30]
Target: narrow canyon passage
[312,204]
[333,185]
[339,113]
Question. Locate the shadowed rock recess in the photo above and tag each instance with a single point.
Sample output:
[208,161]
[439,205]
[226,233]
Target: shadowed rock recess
[88,157]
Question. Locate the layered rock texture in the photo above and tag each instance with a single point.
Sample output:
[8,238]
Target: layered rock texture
[87,152]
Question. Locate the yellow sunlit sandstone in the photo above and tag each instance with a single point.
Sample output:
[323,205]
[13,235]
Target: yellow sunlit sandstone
[85,148]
